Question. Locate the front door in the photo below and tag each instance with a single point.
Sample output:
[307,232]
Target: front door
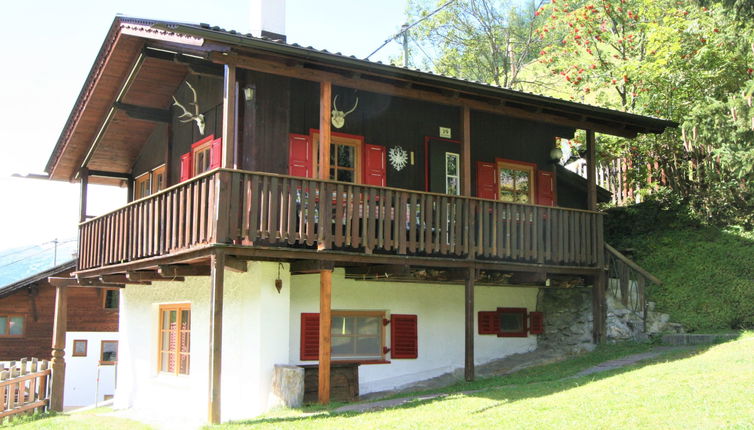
[443,169]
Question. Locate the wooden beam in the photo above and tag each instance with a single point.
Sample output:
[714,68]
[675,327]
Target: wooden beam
[403,89]
[538,277]
[235,265]
[469,326]
[599,307]
[591,171]
[144,113]
[96,282]
[60,327]
[120,279]
[325,325]
[301,267]
[325,118]
[148,275]
[466,156]
[62,282]
[230,96]
[83,193]
[216,336]
[173,270]
[105,174]
[386,270]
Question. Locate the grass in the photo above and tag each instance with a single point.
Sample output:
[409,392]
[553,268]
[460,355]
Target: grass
[93,419]
[690,388]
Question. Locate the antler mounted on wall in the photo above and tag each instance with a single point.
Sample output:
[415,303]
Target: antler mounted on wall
[187,116]
[339,117]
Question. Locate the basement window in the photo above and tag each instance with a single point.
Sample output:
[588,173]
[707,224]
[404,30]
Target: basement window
[11,326]
[357,335]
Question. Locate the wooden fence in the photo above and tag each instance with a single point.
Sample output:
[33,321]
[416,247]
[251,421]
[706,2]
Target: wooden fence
[275,210]
[23,387]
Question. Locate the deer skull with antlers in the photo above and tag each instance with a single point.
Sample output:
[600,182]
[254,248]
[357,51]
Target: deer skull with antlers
[339,117]
[187,116]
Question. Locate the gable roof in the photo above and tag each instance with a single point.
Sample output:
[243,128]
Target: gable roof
[19,285]
[128,37]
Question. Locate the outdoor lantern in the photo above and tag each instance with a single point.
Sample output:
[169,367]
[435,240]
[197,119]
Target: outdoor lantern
[556,154]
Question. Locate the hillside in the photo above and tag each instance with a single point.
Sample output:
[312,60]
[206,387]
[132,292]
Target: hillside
[707,272]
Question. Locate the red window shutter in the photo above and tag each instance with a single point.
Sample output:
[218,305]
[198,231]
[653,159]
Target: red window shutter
[299,156]
[374,165]
[404,336]
[545,188]
[187,162]
[489,323]
[536,322]
[486,178]
[309,336]
[216,153]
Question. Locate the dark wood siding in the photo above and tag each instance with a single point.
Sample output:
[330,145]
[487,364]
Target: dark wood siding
[37,305]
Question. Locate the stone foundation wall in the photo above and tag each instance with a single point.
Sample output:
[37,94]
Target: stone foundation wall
[568,319]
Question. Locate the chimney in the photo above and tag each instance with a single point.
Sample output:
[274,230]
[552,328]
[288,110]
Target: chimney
[268,19]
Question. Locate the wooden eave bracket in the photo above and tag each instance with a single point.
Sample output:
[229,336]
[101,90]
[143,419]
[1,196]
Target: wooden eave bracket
[149,275]
[235,265]
[63,282]
[97,283]
[303,267]
[144,113]
[382,270]
[120,279]
[180,270]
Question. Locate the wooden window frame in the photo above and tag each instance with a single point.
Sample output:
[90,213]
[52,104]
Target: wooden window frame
[204,147]
[150,179]
[178,307]
[457,176]
[523,312]
[336,138]
[7,334]
[102,360]
[104,300]
[86,348]
[530,168]
[383,346]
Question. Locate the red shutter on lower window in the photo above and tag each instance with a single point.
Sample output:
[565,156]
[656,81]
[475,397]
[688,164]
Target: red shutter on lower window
[299,156]
[374,165]
[404,336]
[545,188]
[186,166]
[536,322]
[489,323]
[486,176]
[309,336]
[216,153]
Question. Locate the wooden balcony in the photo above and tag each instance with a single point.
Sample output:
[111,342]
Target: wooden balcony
[250,209]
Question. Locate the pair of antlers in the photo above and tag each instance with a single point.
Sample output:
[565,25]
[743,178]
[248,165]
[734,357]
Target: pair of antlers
[187,116]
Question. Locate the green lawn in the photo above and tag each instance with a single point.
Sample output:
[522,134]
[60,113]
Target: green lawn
[699,388]
[692,388]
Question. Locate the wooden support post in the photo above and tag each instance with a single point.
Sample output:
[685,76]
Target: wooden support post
[216,335]
[591,171]
[466,155]
[84,174]
[469,295]
[599,307]
[325,324]
[229,117]
[325,113]
[58,348]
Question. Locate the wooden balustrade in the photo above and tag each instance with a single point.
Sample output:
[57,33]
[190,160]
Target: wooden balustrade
[275,210]
[23,387]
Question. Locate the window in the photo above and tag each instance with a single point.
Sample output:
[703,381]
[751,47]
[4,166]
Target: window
[202,155]
[11,326]
[511,322]
[205,155]
[150,182]
[452,180]
[345,156]
[111,299]
[79,348]
[109,354]
[357,335]
[175,336]
[515,181]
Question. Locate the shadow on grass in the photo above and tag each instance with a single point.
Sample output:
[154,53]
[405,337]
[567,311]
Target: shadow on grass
[529,383]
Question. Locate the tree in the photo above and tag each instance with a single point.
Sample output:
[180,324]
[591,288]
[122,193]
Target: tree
[482,40]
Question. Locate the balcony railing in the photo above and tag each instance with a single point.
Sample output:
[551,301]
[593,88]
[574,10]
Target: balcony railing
[261,209]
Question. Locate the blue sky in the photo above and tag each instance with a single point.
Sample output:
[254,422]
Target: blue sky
[49,47]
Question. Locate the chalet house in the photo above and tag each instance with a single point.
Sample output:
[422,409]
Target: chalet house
[27,309]
[291,206]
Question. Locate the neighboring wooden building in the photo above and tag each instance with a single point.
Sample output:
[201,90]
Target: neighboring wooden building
[293,206]
[27,309]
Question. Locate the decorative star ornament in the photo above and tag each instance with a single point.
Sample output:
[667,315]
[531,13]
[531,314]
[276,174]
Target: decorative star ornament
[398,158]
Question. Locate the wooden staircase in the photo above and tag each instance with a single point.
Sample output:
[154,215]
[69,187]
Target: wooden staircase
[627,281]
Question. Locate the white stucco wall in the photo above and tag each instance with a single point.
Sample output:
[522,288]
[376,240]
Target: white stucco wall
[261,328]
[255,338]
[440,318]
[84,374]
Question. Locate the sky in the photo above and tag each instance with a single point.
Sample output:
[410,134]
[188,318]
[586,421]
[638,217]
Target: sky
[49,47]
